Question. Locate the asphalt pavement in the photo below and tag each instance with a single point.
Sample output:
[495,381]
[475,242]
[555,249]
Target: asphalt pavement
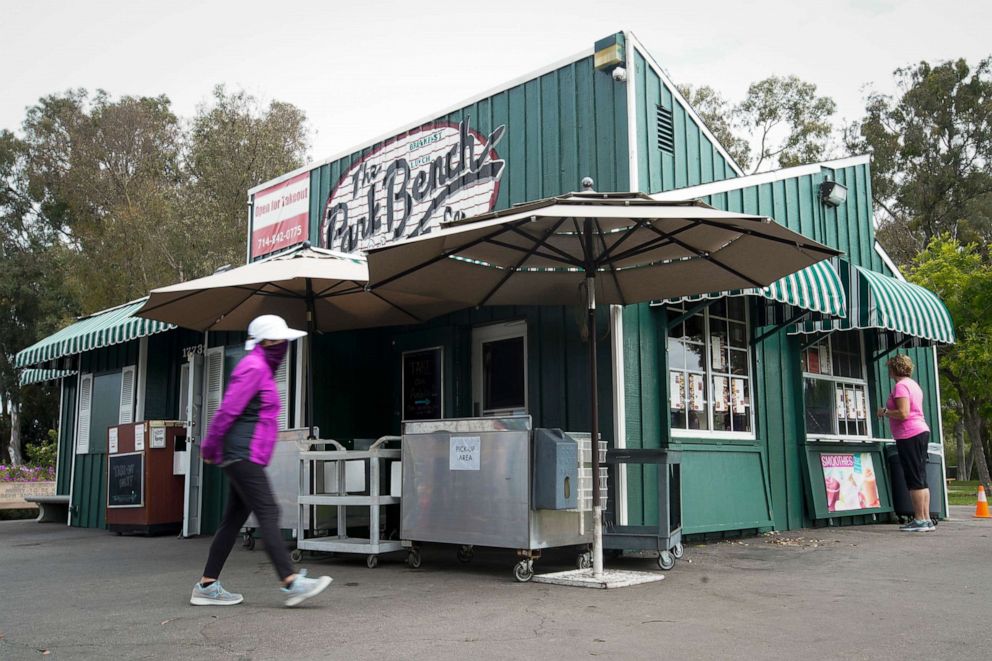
[867,592]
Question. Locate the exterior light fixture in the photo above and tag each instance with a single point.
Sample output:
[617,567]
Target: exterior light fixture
[832,193]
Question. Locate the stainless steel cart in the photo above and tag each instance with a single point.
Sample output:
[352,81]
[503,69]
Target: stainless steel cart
[474,481]
[324,480]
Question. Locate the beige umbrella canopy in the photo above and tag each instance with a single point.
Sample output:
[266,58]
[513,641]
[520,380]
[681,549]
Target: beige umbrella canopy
[617,248]
[319,290]
[334,283]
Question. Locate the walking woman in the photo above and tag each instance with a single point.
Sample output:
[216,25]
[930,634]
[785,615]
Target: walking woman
[240,440]
[904,409]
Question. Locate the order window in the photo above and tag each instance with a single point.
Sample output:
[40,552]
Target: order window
[709,369]
[836,387]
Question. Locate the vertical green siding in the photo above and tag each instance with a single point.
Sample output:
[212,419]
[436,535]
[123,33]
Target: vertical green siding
[67,435]
[165,359]
[89,491]
[90,483]
[562,126]
[780,431]
[696,158]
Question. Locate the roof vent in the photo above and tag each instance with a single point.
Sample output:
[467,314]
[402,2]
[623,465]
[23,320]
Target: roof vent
[666,130]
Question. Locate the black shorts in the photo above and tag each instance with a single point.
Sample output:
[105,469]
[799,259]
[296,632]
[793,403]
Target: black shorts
[913,456]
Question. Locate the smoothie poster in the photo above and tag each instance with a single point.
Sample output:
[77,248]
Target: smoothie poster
[850,482]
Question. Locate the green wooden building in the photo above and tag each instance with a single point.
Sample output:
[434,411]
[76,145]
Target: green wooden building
[770,398]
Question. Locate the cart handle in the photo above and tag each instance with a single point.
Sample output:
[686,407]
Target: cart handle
[383,440]
[305,444]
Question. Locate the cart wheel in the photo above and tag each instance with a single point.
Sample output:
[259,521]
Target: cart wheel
[523,571]
[934,521]
[666,560]
[248,541]
[465,554]
[584,560]
[372,561]
[296,555]
[678,551]
[413,559]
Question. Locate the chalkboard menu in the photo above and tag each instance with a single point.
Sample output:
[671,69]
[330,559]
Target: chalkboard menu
[124,480]
[422,384]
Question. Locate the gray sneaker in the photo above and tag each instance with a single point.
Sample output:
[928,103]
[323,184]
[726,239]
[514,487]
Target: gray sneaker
[303,587]
[917,526]
[214,595]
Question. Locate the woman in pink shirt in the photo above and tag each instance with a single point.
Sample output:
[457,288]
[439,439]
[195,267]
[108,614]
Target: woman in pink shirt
[904,409]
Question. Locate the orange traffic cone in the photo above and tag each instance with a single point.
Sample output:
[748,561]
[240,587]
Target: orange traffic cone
[982,506]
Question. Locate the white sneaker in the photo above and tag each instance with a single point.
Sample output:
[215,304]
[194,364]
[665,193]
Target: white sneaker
[214,595]
[302,588]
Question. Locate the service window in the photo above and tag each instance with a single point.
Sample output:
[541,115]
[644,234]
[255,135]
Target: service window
[499,369]
[709,371]
[836,387]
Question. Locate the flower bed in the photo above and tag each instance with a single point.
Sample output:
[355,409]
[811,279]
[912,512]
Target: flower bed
[26,473]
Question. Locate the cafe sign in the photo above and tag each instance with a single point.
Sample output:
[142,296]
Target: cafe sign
[408,186]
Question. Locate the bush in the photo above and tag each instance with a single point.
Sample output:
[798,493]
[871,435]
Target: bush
[26,473]
[43,455]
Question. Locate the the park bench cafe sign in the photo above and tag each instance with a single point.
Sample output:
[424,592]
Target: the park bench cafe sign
[408,186]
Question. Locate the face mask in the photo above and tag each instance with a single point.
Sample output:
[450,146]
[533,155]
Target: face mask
[274,354]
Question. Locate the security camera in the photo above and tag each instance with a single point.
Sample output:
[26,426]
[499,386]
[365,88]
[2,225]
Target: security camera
[620,75]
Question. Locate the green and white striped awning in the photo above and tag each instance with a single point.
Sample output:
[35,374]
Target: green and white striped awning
[816,288]
[31,375]
[102,329]
[880,301]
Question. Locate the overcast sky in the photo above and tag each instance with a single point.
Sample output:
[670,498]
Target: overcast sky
[360,69]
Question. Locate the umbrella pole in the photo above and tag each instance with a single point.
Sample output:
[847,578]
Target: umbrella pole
[309,357]
[597,507]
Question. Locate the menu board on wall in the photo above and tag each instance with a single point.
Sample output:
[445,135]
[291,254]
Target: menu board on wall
[422,384]
[862,405]
[125,487]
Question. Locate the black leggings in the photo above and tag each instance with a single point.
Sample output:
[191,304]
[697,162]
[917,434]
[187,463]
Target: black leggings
[250,492]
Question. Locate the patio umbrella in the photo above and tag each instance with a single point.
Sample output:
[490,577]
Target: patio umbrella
[320,290]
[618,248]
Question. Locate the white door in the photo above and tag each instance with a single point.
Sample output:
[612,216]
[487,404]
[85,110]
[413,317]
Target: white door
[499,369]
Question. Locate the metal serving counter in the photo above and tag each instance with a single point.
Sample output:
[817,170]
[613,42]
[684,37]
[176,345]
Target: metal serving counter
[477,482]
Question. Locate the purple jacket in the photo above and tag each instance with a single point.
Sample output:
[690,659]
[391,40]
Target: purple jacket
[247,423]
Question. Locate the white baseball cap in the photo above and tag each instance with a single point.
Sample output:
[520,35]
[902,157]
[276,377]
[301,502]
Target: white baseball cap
[270,327]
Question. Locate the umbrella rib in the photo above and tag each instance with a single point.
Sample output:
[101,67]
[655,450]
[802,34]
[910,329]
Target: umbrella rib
[567,258]
[650,244]
[538,242]
[444,255]
[533,252]
[398,307]
[708,256]
[612,265]
[767,237]
[328,292]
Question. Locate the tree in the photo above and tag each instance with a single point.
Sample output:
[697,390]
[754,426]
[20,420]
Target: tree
[963,280]
[234,144]
[720,118]
[781,122]
[931,146]
[790,123]
[105,177]
[33,299]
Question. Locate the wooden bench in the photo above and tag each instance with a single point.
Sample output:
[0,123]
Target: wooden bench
[51,509]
